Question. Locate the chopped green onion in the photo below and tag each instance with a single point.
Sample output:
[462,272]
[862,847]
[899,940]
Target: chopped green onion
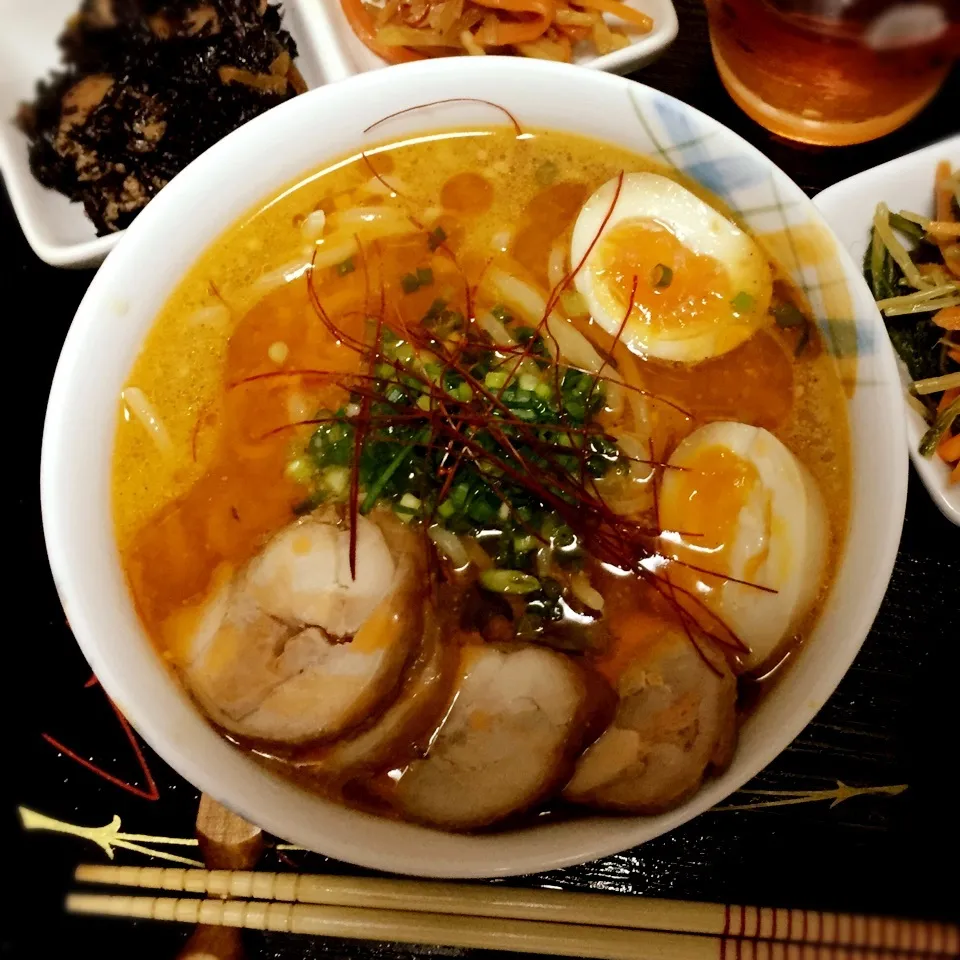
[546,173]
[788,315]
[508,581]
[435,311]
[345,267]
[495,379]
[524,334]
[411,282]
[501,313]
[299,470]
[411,502]
[405,354]
[743,302]
[436,237]
[529,381]
[399,459]
[661,275]
[480,511]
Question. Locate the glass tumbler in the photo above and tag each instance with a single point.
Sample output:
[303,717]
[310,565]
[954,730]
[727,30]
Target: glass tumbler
[834,72]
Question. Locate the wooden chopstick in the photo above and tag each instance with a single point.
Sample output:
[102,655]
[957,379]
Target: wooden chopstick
[545,906]
[518,936]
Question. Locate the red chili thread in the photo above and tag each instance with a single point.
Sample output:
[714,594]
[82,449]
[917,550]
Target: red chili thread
[150,793]
[437,103]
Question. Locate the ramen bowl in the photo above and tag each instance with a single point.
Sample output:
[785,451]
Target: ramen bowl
[259,159]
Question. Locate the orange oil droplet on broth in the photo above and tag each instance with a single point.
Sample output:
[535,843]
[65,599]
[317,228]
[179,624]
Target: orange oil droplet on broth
[467,193]
[698,290]
[544,221]
[752,383]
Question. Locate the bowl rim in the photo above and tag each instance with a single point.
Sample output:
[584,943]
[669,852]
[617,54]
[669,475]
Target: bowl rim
[55,475]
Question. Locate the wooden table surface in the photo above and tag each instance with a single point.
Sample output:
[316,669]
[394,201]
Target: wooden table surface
[890,731]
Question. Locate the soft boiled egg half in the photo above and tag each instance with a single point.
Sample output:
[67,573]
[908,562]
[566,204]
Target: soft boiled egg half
[703,286]
[742,506]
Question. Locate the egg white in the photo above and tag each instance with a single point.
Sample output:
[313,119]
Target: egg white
[782,535]
[699,228]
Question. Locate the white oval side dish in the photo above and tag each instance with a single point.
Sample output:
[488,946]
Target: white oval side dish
[58,230]
[903,184]
[326,20]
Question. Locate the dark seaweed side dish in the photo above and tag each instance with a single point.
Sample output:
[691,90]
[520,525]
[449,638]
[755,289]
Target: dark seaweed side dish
[148,85]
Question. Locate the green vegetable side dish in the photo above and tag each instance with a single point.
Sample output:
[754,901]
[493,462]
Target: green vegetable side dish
[523,415]
[916,291]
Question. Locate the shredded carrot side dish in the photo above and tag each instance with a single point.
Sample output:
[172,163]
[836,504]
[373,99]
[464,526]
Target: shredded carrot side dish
[402,30]
[913,268]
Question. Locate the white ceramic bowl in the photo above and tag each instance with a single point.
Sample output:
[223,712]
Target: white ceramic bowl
[904,184]
[191,212]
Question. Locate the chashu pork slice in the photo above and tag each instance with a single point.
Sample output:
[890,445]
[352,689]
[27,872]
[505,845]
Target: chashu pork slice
[394,735]
[518,718]
[262,679]
[675,719]
[294,649]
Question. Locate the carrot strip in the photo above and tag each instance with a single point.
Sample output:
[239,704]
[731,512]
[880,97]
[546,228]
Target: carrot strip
[949,449]
[948,318]
[947,398]
[624,12]
[954,355]
[361,22]
[943,214]
[507,33]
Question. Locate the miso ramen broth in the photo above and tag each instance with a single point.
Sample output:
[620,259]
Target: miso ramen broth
[475,473]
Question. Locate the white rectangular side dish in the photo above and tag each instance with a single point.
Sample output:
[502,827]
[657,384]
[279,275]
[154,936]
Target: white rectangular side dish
[903,184]
[59,231]
[326,17]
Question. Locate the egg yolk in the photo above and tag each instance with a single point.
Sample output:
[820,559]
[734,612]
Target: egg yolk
[705,507]
[676,288]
